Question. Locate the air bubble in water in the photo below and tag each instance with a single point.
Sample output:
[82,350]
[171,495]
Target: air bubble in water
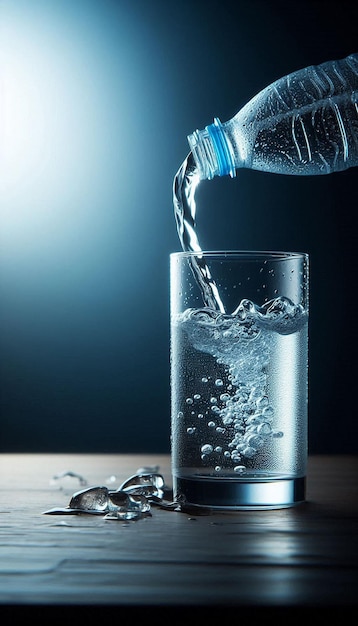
[227,420]
[207,448]
[278,434]
[264,429]
[267,412]
[255,441]
[249,452]
[262,403]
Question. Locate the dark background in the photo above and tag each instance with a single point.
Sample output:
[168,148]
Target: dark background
[98,99]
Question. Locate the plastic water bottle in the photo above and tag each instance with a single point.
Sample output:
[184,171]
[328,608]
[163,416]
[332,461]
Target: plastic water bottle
[304,123]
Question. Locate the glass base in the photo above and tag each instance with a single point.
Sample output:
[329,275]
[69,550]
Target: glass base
[236,495]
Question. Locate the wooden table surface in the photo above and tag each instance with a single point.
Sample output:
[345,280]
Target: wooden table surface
[288,559]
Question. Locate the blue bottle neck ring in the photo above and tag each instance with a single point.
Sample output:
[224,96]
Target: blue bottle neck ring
[223,153]
[212,151]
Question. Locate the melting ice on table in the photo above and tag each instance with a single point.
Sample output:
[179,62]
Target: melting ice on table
[132,500]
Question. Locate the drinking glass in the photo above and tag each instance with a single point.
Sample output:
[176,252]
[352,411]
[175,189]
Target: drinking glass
[239,374]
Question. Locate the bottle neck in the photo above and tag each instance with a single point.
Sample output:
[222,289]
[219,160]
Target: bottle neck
[212,151]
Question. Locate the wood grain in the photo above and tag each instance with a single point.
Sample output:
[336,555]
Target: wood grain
[289,558]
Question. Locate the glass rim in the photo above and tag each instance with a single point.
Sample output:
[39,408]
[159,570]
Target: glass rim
[246,255]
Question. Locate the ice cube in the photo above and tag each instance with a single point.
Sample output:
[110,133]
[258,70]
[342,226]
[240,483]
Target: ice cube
[90,499]
[118,500]
[130,501]
[146,484]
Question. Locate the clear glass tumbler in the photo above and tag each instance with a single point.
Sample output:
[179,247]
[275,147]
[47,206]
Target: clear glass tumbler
[239,374]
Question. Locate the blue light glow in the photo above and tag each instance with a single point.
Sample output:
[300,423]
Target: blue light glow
[81,101]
